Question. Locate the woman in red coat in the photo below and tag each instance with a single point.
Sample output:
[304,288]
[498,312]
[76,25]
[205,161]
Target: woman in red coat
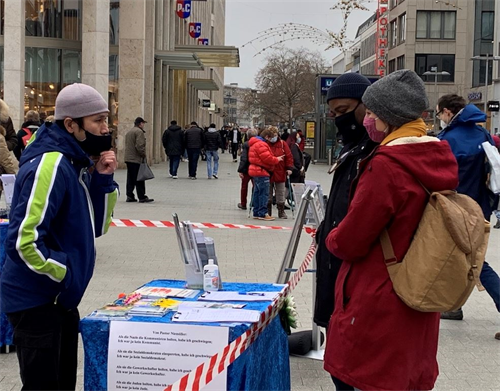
[262,164]
[375,341]
[281,171]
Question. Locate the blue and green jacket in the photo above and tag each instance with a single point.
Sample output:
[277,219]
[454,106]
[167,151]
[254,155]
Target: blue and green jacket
[465,138]
[60,205]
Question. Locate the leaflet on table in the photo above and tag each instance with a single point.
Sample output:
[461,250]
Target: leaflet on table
[153,292]
[186,305]
[111,310]
[147,310]
[209,315]
[238,296]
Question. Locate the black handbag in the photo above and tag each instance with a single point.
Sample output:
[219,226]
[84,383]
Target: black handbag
[145,172]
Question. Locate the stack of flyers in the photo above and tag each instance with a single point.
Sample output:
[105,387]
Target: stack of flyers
[153,292]
[111,311]
[147,310]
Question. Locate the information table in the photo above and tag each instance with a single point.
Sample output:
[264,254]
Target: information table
[5,327]
[264,366]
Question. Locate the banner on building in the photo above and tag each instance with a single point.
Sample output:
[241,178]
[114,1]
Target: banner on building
[203,41]
[183,8]
[195,30]
[382,41]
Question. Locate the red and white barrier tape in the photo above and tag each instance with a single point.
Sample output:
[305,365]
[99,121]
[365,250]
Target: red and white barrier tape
[123,223]
[204,373]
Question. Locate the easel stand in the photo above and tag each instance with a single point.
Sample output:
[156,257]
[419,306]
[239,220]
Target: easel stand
[286,268]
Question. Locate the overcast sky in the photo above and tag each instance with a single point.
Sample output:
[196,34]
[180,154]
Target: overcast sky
[246,18]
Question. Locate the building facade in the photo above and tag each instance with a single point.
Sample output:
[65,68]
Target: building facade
[433,37]
[147,58]
[235,109]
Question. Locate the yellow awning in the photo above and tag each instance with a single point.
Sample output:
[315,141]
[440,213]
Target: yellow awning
[214,56]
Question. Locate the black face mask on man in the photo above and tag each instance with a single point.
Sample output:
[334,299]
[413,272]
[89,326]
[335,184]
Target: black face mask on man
[93,145]
[348,127]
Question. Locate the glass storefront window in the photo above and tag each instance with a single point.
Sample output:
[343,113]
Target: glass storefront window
[42,79]
[114,18]
[53,19]
[113,96]
[71,69]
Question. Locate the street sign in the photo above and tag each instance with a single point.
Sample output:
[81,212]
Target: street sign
[205,103]
[494,105]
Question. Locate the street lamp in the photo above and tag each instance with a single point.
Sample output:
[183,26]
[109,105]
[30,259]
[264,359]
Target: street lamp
[435,72]
[486,58]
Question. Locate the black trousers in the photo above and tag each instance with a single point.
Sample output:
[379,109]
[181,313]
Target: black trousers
[133,183]
[46,339]
[234,150]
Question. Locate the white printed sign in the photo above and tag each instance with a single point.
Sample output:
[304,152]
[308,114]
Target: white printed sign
[151,356]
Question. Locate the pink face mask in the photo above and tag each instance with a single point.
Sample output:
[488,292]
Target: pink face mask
[371,128]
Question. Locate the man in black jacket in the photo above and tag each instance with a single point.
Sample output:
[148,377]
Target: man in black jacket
[193,140]
[173,142]
[212,141]
[344,100]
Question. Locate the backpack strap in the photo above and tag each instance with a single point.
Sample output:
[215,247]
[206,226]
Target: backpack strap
[387,249]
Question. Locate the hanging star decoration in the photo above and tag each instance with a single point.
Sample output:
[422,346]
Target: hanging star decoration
[286,32]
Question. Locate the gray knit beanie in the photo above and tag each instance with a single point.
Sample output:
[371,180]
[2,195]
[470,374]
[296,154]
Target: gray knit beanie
[397,98]
[78,101]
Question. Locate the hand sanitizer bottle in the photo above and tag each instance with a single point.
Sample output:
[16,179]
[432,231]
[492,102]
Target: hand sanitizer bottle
[211,276]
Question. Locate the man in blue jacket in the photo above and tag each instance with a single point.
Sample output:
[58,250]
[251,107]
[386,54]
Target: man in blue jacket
[460,129]
[63,199]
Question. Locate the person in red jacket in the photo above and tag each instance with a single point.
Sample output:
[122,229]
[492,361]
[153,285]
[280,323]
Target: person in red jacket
[281,171]
[262,164]
[374,340]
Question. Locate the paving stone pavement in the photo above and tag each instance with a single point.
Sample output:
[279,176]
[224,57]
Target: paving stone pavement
[469,356]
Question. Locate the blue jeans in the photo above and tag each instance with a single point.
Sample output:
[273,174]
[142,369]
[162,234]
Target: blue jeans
[193,156]
[174,161]
[215,156]
[491,282]
[260,195]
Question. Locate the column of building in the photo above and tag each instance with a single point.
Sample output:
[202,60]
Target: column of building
[132,47]
[14,59]
[95,45]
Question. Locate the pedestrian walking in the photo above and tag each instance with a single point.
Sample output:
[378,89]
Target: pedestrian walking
[262,164]
[235,139]
[62,201]
[135,154]
[223,135]
[374,340]
[193,140]
[173,142]
[460,130]
[344,101]
[243,170]
[298,171]
[28,128]
[212,143]
[281,171]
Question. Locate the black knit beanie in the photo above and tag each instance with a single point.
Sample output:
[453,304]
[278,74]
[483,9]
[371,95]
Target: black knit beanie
[348,85]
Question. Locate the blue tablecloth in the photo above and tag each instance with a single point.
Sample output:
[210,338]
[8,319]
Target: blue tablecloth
[5,327]
[264,366]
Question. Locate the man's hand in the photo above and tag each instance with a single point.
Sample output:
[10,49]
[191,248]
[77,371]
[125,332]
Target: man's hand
[281,158]
[107,163]
[241,175]
[288,172]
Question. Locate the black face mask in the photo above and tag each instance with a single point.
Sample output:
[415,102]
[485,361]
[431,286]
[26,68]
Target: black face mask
[93,145]
[348,128]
